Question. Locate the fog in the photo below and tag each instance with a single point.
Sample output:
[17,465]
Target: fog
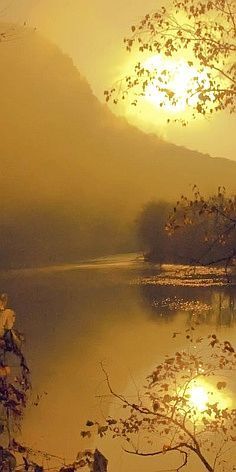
[74,176]
[74,179]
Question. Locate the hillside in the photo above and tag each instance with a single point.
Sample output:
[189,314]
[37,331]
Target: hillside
[73,176]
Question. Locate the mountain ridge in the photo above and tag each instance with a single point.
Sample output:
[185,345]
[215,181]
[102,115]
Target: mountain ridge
[74,172]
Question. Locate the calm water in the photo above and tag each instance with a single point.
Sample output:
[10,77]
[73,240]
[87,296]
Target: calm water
[118,311]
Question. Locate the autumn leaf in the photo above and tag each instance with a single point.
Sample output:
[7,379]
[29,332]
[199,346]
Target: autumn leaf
[221,385]
[85,434]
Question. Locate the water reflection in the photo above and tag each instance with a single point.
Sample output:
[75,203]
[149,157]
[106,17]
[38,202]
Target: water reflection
[184,276]
[211,305]
[114,311]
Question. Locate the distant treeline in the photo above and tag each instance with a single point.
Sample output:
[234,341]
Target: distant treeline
[59,234]
[189,244]
[68,234]
[62,234]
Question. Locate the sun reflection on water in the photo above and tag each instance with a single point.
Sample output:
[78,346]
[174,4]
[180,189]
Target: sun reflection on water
[199,398]
[202,395]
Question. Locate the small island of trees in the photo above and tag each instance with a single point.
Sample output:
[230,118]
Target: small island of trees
[198,230]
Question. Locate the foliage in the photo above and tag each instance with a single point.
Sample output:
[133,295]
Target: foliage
[168,236]
[14,384]
[217,217]
[14,388]
[94,461]
[203,32]
[165,418]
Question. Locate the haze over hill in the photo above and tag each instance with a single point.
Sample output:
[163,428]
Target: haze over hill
[74,176]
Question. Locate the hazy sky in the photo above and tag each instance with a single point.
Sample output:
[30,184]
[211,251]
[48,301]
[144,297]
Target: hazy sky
[92,34]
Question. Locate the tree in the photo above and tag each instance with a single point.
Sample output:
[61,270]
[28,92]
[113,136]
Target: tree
[151,230]
[203,32]
[14,393]
[191,232]
[183,410]
[217,216]
[14,386]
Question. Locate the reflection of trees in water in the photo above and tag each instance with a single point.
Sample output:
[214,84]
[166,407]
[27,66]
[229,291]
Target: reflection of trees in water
[205,305]
[225,307]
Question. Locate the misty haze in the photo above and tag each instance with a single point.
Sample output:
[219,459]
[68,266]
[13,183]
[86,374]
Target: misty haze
[117,236]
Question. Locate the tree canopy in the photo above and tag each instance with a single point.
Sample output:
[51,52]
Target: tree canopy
[216,215]
[183,410]
[203,32]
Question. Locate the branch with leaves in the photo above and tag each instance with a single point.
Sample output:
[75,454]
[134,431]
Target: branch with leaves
[217,217]
[166,419]
[14,395]
[204,33]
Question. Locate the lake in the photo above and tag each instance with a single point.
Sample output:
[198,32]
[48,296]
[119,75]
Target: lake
[118,311]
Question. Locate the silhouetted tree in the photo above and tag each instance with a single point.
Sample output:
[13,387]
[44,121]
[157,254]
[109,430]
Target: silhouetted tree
[183,410]
[14,385]
[203,32]
[161,242]
[14,388]
[217,217]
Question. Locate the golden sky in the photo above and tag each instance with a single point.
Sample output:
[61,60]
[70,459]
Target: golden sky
[92,34]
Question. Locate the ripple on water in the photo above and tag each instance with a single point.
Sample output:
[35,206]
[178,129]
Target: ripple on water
[179,304]
[183,275]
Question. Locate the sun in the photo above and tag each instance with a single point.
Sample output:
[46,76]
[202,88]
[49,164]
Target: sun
[174,84]
[201,393]
[199,397]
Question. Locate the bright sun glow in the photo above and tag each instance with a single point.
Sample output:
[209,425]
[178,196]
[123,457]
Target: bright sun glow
[179,77]
[201,393]
[199,398]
